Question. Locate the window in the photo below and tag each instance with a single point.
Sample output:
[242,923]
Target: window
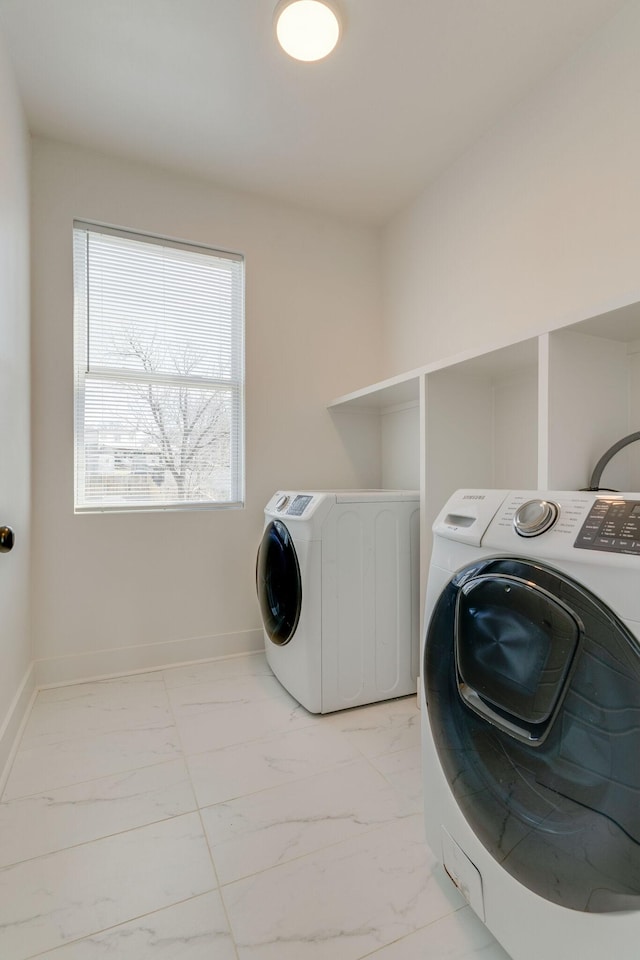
[159,370]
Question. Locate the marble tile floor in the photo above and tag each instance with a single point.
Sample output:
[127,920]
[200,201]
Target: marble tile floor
[199,813]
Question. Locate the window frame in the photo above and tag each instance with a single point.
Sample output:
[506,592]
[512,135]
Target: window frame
[83,370]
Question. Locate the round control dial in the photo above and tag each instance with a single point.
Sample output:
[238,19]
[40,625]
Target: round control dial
[534,517]
[282,502]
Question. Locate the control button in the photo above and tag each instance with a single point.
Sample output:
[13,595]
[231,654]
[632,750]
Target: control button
[282,502]
[604,541]
[534,517]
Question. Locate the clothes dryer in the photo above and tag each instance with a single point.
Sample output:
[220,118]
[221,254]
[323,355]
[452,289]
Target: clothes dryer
[531,716]
[337,577]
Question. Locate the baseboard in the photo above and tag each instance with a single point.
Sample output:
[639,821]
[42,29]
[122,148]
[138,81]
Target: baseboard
[122,661]
[101,664]
[14,722]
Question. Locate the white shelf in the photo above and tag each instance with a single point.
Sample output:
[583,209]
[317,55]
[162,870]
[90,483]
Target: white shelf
[394,392]
[405,388]
[621,324]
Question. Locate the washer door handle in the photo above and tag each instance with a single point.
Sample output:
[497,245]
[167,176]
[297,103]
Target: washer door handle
[479,706]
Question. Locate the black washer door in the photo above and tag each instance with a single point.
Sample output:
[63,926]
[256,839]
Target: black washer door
[533,697]
[278,583]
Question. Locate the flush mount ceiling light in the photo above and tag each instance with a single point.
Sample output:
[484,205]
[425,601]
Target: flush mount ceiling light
[307,29]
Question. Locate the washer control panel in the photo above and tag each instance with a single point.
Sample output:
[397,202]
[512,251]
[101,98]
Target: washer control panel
[612,525]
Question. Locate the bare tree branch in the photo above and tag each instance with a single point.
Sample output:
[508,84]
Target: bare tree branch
[184,425]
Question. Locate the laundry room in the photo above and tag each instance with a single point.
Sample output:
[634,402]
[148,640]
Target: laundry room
[432,237]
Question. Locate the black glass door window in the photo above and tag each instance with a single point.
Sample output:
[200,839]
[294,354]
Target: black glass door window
[278,583]
[560,811]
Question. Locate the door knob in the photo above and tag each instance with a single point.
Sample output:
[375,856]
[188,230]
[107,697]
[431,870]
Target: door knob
[6,539]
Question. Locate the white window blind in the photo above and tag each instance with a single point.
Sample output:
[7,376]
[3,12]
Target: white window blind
[159,372]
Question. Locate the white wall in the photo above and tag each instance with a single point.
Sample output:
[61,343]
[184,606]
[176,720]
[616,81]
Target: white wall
[536,225]
[15,649]
[110,588]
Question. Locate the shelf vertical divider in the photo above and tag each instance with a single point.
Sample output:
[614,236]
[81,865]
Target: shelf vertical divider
[543,411]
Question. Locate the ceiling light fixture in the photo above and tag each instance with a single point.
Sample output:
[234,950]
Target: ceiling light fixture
[307,29]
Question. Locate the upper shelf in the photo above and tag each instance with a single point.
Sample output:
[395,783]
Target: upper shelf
[614,322]
[621,324]
[405,388]
[387,393]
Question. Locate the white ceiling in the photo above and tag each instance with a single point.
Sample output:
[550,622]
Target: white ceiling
[200,86]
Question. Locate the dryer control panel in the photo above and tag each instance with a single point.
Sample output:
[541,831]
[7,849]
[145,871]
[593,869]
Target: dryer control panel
[612,525]
[293,505]
[299,505]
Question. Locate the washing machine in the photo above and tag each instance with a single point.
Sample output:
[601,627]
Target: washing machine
[530,692]
[337,577]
